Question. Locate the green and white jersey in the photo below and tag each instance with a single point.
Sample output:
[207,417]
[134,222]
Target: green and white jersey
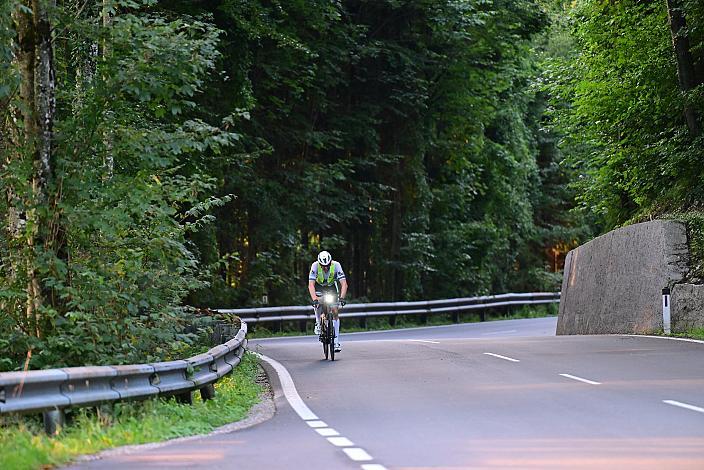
[335,273]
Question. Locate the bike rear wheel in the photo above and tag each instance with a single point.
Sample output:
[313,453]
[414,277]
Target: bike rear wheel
[324,334]
[331,330]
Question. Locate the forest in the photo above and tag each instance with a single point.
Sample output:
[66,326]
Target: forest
[163,156]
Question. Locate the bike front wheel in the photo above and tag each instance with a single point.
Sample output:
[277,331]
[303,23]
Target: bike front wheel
[324,335]
[331,337]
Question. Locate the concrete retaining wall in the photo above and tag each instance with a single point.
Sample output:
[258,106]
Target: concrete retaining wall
[614,283]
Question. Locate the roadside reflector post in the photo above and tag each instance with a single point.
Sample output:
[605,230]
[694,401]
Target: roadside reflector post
[666,310]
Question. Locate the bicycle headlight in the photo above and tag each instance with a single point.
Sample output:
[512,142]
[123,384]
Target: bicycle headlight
[329,298]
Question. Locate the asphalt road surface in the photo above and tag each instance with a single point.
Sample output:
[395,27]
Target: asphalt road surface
[505,394]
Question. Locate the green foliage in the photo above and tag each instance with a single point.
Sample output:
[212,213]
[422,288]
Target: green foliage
[618,99]
[204,153]
[696,333]
[402,136]
[24,445]
[124,204]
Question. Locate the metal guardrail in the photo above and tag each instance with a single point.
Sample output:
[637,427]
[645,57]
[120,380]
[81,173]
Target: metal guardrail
[426,307]
[51,391]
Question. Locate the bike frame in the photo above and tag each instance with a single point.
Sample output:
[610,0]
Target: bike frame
[327,331]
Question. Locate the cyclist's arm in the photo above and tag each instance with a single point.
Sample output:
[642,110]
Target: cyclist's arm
[311,290]
[343,288]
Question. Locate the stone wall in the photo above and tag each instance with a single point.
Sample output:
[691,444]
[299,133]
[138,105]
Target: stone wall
[613,284]
[687,307]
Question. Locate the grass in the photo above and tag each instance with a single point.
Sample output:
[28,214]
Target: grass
[696,333]
[353,325]
[23,444]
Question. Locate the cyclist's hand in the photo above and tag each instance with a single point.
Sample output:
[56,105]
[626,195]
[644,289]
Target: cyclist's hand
[315,303]
[342,302]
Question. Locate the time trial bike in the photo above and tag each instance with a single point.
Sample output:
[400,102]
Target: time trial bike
[327,328]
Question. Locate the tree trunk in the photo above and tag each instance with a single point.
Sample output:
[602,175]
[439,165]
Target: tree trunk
[396,228]
[109,162]
[685,64]
[37,94]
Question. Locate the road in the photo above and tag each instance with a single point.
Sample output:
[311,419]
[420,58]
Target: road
[505,394]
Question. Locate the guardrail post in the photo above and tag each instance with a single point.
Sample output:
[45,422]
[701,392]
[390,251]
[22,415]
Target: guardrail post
[207,392]
[456,317]
[482,315]
[392,320]
[302,325]
[53,421]
[185,398]
[363,322]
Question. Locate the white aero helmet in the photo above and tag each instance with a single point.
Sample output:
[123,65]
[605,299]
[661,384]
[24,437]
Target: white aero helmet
[324,258]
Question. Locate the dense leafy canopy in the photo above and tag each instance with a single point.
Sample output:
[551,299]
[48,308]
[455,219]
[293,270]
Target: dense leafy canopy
[617,96]
[201,153]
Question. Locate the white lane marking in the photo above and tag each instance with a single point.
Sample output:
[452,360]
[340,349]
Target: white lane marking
[423,341]
[340,441]
[684,405]
[294,399]
[502,357]
[586,381]
[357,454]
[289,389]
[688,340]
[499,332]
[317,424]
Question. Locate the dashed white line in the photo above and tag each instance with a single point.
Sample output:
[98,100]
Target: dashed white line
[357,454]
[289,389]
[294,399]
[317,424]
[499,332]
[502,357]
[586,381]
[424,341]
[684,405]
[340,441]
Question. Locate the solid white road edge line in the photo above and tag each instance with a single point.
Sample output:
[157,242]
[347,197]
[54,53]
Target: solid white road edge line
[357,454]
[684,405]
[688,340]
[294,399]
[289,389]
[586,381]
[502,357]
[423,341]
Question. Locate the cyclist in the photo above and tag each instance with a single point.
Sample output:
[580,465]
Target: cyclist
[326,276]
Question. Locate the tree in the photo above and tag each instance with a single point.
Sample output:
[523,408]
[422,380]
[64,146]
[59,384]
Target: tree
[688,79]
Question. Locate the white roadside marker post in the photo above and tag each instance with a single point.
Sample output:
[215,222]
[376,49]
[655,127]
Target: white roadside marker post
[666,310]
